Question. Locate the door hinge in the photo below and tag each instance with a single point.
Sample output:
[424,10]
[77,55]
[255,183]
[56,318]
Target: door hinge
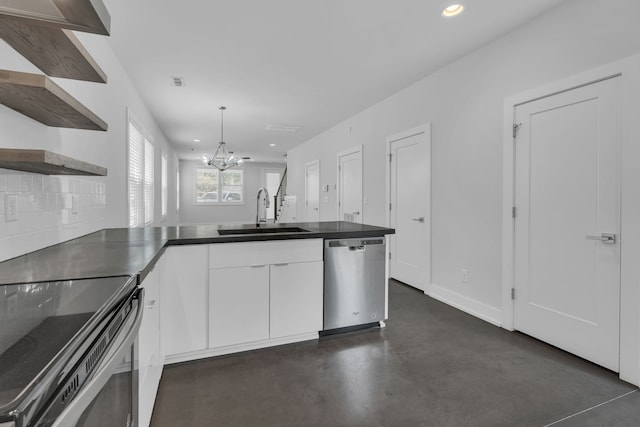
[390,156]
[513,212]
[516,128]
[389,256]
[513,293]
[389,206]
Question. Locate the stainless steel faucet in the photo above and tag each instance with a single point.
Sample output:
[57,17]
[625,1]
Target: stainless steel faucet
[262,191]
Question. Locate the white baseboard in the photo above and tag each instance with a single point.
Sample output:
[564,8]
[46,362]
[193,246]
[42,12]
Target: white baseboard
[466,304]
[219,351]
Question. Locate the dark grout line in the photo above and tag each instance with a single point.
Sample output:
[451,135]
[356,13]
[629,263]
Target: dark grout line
[593,407]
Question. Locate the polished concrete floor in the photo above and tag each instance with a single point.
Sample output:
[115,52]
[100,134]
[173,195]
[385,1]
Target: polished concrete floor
[431,366]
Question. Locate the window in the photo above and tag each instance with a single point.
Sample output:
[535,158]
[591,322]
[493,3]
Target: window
[140,178]
[177,189]
[216,187]
[165,190]
[148,182]
[271,180]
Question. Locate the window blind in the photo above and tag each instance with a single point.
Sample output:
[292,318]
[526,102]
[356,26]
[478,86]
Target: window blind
[136,158]
[148,182]
[164,185]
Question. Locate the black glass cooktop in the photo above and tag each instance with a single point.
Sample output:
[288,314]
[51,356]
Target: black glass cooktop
[38,320]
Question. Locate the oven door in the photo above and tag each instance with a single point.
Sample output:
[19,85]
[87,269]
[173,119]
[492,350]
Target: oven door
[110,398]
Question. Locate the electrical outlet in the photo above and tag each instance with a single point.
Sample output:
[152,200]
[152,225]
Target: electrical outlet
[10,207]
[464,275]
[12,306]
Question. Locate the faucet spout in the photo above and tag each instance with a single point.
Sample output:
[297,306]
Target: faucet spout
[263,196]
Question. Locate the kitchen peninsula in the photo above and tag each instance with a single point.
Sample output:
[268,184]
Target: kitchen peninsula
[126,251]
[209,289]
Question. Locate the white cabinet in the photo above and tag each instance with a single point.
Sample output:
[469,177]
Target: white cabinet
[184,316]
[238,305]
[295,303]
[149,353]
[264,291]
[229,297]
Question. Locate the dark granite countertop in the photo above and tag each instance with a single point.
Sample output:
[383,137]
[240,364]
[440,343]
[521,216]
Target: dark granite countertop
[128,251]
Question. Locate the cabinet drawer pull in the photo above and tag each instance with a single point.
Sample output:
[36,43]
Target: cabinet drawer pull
[258,266]
[282,264]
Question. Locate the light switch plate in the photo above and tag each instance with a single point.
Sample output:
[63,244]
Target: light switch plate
[11,207]
[74,204]
[12,306]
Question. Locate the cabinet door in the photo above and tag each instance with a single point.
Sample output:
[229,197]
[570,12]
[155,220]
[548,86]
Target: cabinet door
[150,363]
[296,298]
[184,290]
[239,305]
[148,336]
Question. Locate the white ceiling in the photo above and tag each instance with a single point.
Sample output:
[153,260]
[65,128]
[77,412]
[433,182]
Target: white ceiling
[289,62]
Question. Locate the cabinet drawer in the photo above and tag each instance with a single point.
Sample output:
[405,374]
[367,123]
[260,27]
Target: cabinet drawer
[223,255]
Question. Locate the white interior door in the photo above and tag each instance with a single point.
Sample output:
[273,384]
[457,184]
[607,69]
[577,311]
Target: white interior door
[350,185]
[567,272]
[312,191]
[409,212]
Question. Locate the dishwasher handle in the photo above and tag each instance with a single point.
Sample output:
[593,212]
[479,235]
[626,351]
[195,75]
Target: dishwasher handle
[353,244]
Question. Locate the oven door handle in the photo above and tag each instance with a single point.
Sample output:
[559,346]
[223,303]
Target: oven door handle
[71,414]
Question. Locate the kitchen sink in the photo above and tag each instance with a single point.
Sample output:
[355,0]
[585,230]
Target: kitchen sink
[260,230]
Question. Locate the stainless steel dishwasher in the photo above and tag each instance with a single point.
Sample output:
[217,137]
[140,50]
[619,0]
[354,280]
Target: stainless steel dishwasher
[354,282]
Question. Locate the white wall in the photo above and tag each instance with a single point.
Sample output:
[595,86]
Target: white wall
[190,213]
[104,199]
[464,103]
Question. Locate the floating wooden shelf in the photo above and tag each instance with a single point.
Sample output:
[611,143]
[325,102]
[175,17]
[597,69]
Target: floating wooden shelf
[41,99]
[89,16]
[57,52]
[47,163]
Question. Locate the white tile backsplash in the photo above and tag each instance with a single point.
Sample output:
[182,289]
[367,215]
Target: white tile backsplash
[45,214]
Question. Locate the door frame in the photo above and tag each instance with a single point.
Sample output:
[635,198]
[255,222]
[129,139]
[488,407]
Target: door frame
[306,196]
[628,68]
[352,150]
[426,129]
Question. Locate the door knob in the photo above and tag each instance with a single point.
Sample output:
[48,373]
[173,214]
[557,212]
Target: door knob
[608,238]
[419,219]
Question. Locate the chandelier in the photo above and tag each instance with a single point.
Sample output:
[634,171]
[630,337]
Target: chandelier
[222,159]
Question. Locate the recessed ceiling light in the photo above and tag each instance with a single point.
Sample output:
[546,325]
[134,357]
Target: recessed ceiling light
[452,10]
[272,145]
[196,140]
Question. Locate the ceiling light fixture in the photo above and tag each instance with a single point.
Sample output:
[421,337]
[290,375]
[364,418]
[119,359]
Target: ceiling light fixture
[452,10]
[272,145]
[222,159]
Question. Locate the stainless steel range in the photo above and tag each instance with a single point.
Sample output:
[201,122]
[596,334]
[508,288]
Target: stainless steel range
[68,353]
